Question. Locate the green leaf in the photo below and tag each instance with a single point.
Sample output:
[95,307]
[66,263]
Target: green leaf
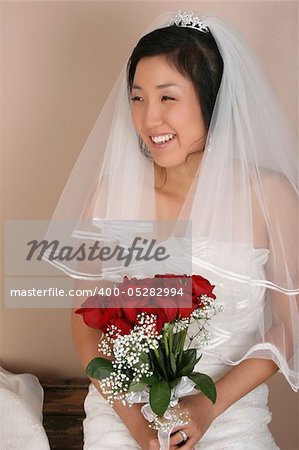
[177,342]
[165,339]
[165,327]
[173,383]
[190,354]
[162,361]
[188,361]
[99,368]
[170,338]
[172,363]
[160,397]
[137,386]
[150,381]
[205,384]
[187,370]
[129,373]
[155,364]
[143,358]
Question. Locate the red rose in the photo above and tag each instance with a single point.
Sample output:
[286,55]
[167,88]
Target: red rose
[165,315]
[202,286]
[187,299]
[124,325]
[136,304]
[96,315]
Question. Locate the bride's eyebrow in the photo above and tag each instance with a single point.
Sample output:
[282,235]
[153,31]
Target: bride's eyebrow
[159,86]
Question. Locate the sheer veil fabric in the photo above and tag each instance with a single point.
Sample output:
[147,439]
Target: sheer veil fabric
[243,199]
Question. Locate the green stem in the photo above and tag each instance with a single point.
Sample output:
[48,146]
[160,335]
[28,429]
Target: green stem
[156,351]
[171,340]
[166,345]
[182,343]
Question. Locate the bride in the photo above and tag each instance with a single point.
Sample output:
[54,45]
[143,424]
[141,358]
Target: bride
[196,136]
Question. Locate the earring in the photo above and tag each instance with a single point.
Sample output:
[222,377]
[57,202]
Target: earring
[208,143]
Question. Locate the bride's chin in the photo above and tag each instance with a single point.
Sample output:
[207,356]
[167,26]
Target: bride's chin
[168,163]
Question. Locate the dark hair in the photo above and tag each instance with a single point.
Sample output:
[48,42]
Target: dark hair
[193,53]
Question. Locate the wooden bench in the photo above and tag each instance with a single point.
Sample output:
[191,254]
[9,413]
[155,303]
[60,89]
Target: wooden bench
[63,412]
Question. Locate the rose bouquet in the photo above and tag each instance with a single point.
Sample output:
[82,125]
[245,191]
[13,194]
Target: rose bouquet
[150,355]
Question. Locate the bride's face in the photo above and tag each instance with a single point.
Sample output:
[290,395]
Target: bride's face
[166,112]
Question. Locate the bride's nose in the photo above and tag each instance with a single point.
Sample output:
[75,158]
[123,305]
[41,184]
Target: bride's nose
[153,115]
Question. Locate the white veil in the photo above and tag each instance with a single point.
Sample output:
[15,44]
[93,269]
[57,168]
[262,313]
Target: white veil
[246,195]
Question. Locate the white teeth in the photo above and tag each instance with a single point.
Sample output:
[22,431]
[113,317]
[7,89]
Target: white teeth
[162,139]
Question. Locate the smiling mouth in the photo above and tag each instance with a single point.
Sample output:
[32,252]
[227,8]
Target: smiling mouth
[162,139]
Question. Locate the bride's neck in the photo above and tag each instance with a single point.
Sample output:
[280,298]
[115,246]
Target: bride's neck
[177,180]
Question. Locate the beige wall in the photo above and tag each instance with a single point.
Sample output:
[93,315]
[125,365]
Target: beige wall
[59,61]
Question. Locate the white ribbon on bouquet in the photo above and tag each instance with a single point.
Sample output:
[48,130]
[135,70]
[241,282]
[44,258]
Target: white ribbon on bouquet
[184,387]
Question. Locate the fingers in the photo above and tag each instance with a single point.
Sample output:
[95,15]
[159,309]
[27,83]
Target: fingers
[154,444]
[177,440]
[188,446]
[178,437]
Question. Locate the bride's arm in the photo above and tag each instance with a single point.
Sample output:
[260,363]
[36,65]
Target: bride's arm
[86,342]
[240,380]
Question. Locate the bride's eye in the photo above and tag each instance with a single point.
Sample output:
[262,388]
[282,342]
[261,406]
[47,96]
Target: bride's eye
[136,98]
[167,97]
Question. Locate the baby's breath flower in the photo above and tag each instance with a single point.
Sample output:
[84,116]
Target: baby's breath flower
[203,339]
[209,310]
[176,418]
[130,353]
[180,325]
[115,387]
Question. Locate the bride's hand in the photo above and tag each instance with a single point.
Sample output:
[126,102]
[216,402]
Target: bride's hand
[201,413]
[151,444]
[147,438]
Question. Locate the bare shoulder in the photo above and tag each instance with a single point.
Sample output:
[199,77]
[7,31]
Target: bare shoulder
[278,190]
[274,201]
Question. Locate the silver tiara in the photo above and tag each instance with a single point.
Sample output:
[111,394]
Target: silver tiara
[188,20]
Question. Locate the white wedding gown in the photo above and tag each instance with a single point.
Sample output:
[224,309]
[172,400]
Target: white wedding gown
[243,426]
